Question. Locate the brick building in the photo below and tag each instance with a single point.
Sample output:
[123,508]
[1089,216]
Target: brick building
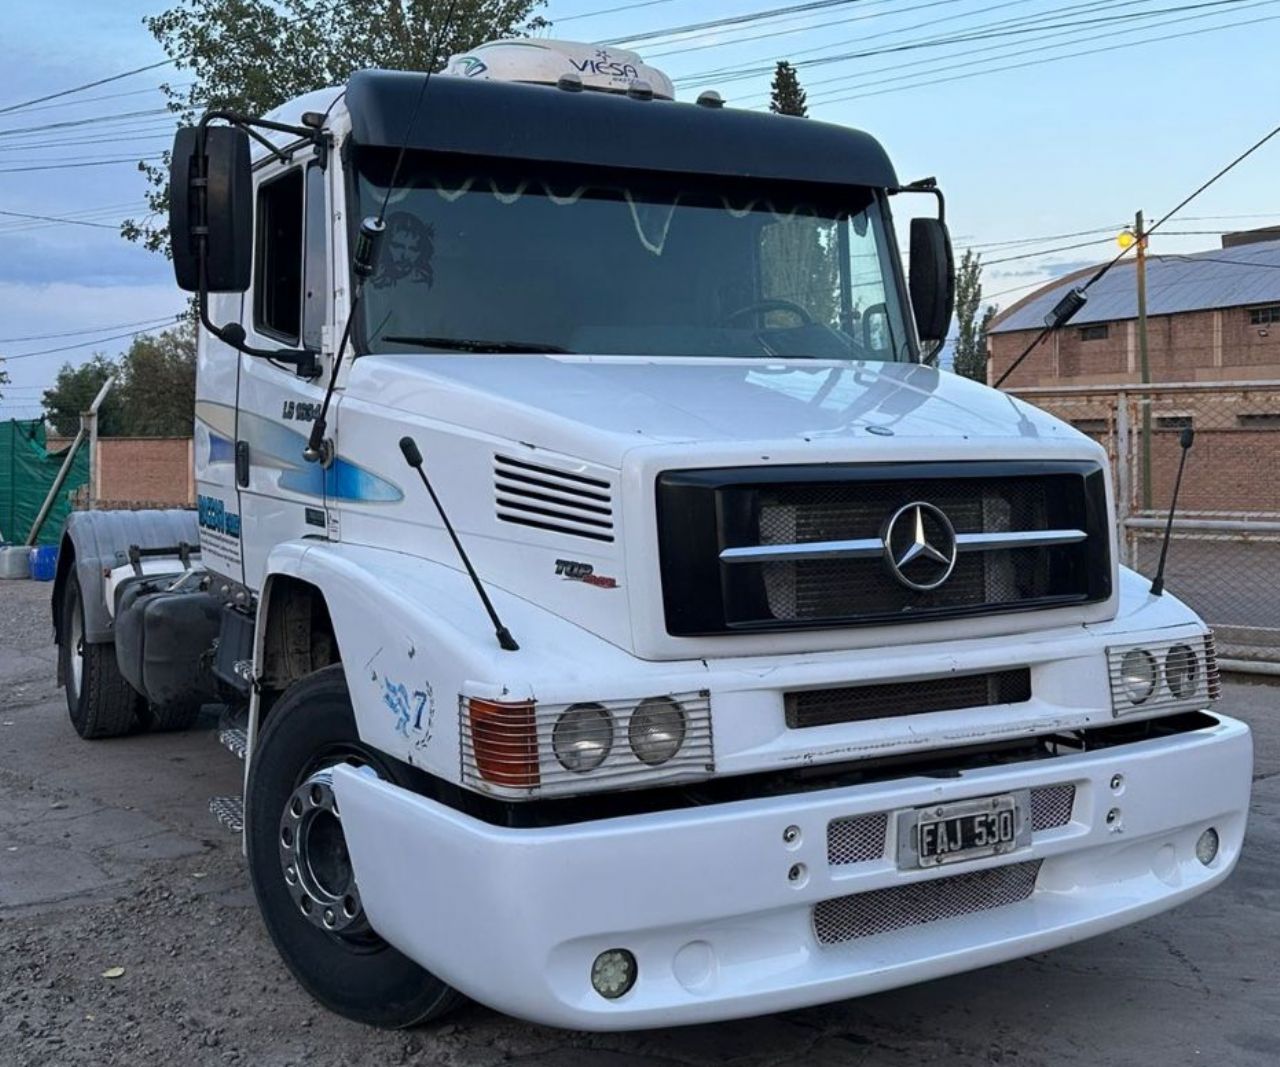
[1211,317]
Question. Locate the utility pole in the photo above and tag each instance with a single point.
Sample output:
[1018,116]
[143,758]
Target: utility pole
[1144,362]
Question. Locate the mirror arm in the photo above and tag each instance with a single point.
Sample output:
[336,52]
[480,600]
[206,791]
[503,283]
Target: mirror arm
[925,185]
[303,359]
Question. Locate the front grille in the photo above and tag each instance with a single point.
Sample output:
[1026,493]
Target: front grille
[863,838]
[881,911]
[799,547]
[858,703]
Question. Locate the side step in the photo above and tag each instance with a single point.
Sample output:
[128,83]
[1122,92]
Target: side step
[229,811]
[233,732]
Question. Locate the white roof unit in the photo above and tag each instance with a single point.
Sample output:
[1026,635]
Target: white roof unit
[543,62]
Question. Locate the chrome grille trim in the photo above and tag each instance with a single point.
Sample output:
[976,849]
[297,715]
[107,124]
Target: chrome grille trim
[882,911]
[871,547]
[545,498]
[1207,685]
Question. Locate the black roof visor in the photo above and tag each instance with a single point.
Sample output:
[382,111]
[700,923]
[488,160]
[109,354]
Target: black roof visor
[533,122]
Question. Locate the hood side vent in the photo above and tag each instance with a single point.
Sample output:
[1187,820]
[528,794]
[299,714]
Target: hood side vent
[528,494]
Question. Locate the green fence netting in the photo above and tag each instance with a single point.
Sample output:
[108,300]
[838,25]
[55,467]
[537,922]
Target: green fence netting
[27,470]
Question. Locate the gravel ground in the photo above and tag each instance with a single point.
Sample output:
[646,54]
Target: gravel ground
[109,859]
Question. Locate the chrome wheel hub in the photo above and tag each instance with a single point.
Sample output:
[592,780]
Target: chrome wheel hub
[314,858]
[75,638]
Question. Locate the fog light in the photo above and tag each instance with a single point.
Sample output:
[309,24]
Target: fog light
[1207,846]
[613,973]
[582,737]
[1138,674]
[1180,671]
[657,730]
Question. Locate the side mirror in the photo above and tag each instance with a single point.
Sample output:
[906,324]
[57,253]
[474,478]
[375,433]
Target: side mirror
[932,279]
[223,180]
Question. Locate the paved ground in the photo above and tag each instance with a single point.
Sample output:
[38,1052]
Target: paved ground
[108,858]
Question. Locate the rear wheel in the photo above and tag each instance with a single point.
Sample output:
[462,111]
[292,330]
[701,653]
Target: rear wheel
[301,871]
[101,703]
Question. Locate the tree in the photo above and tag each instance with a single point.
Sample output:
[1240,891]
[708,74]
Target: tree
[253,55]
[153,396]
[786,97]
[157,387]
[73,391]
[4,379]
[971,335]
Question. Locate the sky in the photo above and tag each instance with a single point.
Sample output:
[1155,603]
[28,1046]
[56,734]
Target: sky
[1053,145]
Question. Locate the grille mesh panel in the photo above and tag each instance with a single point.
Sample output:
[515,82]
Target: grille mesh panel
[1051,806]
[857,839]
[858,703]
[809,589]
[881,911]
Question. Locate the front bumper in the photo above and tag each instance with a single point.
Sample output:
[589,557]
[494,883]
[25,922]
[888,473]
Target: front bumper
[707,900]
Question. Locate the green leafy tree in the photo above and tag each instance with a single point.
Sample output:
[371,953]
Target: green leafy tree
[4,380]
[253,55]
[73,391]
[157,388]
[971,331]
[786,97]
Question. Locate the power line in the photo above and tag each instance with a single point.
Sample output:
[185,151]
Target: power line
[87,329]
[611,10]
[93,119]
[1044,239]
[86,85]
[730,20]
[54,218]
[860,95]
[86,163]
[1048,251]
[82,344]
[1101,272]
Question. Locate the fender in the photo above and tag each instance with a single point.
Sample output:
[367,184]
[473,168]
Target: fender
[100,540]
[413,636]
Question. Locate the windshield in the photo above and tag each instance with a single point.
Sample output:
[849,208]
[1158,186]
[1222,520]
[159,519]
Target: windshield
[524,258]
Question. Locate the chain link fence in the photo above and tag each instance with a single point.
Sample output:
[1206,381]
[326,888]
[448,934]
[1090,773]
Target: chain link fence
[1224,555]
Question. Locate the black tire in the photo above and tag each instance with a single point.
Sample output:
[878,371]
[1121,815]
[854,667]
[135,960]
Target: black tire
[101,703]
[172,717]
[359,975]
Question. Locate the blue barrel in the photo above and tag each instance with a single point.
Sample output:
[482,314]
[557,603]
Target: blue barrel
[44,562]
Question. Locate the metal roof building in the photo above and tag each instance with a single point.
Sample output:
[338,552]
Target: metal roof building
[1240,276]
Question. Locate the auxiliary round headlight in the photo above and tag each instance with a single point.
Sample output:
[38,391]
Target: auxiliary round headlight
[582,737]
[1138,674]
[657,730]
[1180,671]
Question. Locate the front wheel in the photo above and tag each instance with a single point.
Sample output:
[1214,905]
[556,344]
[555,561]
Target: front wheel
[301,871]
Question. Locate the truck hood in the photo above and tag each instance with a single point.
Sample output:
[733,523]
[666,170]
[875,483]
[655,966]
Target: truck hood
[575,404]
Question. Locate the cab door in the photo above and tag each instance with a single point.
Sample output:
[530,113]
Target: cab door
[281,494]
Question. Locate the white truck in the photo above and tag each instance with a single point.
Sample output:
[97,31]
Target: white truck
[632,627]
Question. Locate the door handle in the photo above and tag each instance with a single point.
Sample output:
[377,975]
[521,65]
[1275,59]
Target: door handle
[242,463]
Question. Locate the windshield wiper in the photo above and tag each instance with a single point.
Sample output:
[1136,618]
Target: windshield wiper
[466,344]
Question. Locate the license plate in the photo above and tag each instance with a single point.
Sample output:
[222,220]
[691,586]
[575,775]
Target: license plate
[964,830]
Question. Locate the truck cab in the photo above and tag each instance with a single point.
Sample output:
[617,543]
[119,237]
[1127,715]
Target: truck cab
[632,625]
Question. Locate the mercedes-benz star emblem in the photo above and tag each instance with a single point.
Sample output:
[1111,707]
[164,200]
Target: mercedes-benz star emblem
[919,546]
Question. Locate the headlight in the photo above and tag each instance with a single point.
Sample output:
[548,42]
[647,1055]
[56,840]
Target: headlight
[1138,674]
[1180,671]
[657,730]
[582,737]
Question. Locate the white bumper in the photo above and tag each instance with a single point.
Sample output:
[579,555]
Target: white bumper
[702,897]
